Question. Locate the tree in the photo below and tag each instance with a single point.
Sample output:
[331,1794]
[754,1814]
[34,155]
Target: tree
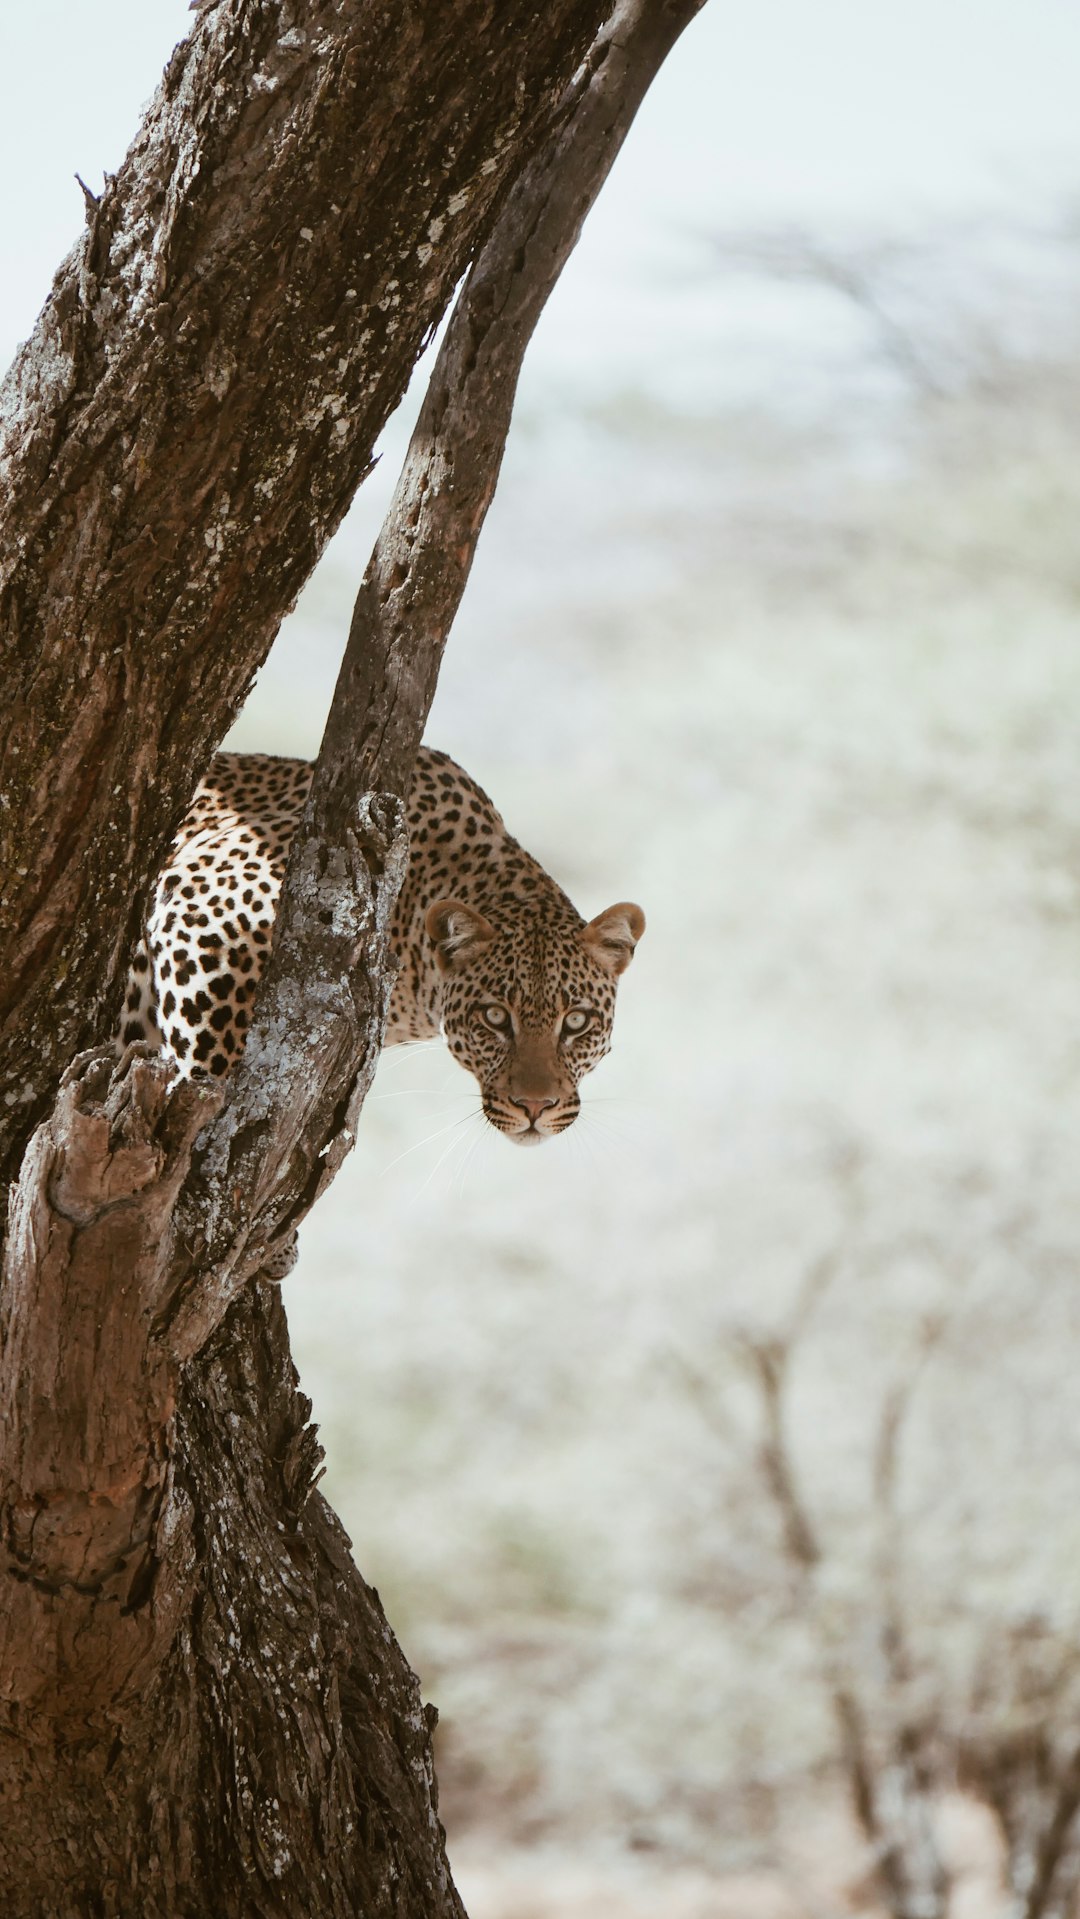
[204,1709]
[923,1698]
[888,1742]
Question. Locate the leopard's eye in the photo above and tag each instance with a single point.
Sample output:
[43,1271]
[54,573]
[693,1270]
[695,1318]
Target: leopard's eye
[496,1016]
[576,1021]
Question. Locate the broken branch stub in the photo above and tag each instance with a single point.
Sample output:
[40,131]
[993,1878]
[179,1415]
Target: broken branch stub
[86,1392]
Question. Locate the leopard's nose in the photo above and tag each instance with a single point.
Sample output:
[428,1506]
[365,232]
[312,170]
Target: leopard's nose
[534,1107]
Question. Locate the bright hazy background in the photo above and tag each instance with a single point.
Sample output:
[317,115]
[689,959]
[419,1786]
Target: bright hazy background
[774,628]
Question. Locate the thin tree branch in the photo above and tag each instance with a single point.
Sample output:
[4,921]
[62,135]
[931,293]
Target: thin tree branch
[293,1101]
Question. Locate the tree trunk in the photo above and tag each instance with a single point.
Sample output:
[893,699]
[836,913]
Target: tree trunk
[202,1708]
[191,418]
[205,1710]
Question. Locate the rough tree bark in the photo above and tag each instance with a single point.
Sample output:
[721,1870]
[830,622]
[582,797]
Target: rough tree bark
[202,1708]
[192,416]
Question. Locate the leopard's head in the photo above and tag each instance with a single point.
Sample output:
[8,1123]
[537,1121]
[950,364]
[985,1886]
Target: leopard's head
[527,1004]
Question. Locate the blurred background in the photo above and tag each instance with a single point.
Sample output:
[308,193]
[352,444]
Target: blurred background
[719,1467]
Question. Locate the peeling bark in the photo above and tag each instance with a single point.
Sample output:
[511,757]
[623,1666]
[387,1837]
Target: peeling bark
[202,1708]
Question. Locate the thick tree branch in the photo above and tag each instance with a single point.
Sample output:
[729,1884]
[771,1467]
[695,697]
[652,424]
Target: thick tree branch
[192,416]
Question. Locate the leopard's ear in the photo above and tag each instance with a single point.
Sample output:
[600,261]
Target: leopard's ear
[612,936]
[459,933]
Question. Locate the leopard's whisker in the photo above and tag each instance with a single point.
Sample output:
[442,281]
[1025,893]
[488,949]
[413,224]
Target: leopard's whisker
[439,1133]
[458,1140]
[393,1057]
[430,1092]
[477,1141]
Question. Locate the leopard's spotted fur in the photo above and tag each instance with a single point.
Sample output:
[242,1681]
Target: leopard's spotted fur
[490,950]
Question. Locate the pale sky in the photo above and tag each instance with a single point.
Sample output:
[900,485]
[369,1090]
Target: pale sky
[814,111]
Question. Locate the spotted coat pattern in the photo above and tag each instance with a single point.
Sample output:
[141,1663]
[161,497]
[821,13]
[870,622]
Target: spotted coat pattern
[490,951]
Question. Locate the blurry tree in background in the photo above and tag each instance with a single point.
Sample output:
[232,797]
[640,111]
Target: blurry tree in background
[1019,1752]
[910,1728]
[886,1745]
[203,1708]
[904,1740]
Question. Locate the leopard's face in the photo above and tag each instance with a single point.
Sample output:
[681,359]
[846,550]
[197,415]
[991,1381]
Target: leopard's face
[527,1007]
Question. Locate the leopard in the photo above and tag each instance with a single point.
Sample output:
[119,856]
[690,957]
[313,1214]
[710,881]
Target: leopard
[490,953]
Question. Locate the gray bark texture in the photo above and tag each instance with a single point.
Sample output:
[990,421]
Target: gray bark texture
[202,1708]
